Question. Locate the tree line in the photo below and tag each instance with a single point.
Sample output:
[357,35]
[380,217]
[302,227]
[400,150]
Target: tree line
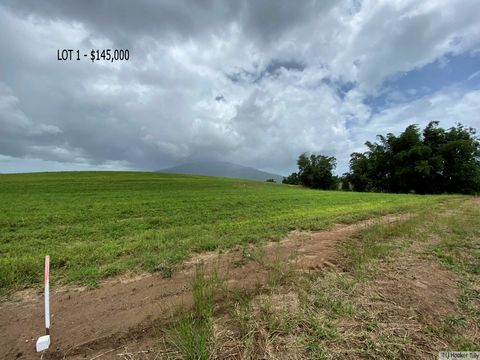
[431,161]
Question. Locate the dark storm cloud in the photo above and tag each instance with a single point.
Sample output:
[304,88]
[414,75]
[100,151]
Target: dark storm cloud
[268,20]
[125,21]
[272,69]
[255,82]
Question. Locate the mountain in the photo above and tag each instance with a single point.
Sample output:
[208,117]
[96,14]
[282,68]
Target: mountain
[224,169]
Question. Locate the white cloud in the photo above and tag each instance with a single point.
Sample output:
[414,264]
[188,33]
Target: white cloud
[387,37]
[450,106]
[160,108]
[14,122]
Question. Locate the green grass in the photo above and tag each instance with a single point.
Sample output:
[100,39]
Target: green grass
[459,250]
[99,224]
[347,314]
[192,335]
[375,242]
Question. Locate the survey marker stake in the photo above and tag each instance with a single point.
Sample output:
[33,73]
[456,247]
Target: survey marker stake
[43,342]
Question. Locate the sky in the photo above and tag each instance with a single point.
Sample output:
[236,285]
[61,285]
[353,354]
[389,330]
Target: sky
[251,82]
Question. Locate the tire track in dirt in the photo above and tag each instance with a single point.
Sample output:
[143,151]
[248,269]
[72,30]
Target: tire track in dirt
[88,322]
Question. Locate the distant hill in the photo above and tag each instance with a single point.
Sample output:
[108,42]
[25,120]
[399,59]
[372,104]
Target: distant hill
[224,169]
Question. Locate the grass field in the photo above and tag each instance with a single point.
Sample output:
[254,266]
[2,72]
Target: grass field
[401,290]
[100,224]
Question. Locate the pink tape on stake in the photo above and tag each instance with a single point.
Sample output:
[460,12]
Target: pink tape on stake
[47,294]
[47,268]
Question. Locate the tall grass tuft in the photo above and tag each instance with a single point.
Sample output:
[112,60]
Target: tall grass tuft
[193,334]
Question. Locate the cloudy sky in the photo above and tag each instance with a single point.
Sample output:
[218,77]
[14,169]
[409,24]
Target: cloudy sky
[251,82]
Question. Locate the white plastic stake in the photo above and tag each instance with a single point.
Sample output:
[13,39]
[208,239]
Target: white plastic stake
[43,342]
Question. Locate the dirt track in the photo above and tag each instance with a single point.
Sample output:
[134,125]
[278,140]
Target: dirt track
[88,323]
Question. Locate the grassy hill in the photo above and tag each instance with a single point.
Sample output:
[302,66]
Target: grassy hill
[223,169]
[100,224]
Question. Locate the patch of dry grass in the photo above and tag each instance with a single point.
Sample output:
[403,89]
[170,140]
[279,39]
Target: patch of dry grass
[405,290]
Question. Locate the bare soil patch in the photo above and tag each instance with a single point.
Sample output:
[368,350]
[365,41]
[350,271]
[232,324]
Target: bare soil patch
[411,295]
[420,285]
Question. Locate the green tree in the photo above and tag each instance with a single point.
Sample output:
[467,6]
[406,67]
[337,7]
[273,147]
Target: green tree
[291,179]
[461,160]
[435,137]
[359,176]
[411,168]
[316,171]
[433,161]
